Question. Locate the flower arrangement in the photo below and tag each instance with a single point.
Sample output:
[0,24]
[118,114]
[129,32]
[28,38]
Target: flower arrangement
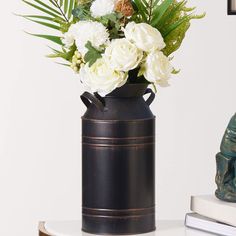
[109,43]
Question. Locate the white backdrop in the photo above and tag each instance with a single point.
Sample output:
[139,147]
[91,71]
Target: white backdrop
[40,110]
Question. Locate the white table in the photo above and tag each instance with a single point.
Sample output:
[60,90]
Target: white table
[73,228]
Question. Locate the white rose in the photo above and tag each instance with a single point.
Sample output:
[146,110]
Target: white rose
[102,7]
[85,31]
[144,36]
[122,55]
[101,78]
[157,68]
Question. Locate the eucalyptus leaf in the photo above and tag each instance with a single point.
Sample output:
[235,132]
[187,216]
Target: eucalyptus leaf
[81,13]
[92,55]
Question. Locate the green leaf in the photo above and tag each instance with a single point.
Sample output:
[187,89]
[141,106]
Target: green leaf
[81,13]
[75,4]
[63,64]
[55,50]
[65,6]
[160,11]
[55,39]
[177,24]
[92,55]
[61,3]
[52,26]
[54,56]
[53,3]
[142,9]
[71,5]
[40,8]
[174,26]
[66,55]
[48,7]
[38,17]
[175,72]
[145,3]
[58,20]
[171,14]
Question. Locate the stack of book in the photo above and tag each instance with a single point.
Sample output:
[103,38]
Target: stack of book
[212,215]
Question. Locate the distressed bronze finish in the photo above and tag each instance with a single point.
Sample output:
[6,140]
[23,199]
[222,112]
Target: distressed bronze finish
[118,161]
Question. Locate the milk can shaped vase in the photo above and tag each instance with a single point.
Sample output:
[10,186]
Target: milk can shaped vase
[118,162]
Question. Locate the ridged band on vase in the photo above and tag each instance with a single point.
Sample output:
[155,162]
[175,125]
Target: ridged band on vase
[118,176]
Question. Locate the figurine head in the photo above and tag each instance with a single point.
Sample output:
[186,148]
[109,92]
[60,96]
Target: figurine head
[228,145]
[232,124]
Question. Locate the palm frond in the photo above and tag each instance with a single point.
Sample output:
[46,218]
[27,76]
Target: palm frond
[55,39]
[63,64]
[49,25]
[47,6]
[151,11]
[66,55]
[142,9]
[54,8]
[56,15]
[159,11]
[71,6]
[175,23]
[65,5]
[171,17]
[171,14]
[57,20]
[48,12]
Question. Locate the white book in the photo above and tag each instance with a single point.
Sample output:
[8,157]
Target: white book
[195,221]
[211,207]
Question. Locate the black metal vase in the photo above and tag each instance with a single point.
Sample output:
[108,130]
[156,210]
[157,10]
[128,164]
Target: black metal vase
[118,161]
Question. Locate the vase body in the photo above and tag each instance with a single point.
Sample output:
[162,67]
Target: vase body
[118,162]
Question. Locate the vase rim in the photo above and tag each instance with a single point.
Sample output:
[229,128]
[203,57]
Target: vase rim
[129,90]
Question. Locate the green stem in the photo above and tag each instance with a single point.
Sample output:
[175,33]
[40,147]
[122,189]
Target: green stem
[150,11]
[63,14]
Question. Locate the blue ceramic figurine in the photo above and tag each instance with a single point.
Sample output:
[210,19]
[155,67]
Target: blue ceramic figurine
[226,165]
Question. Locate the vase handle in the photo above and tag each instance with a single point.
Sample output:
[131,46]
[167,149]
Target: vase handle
[151,98]
[89,99]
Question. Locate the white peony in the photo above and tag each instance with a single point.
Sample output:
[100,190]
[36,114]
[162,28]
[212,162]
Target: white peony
[68,38]
[85,31]
[144,36]
[101,78]
[102,7]
[122,55]
[157,68]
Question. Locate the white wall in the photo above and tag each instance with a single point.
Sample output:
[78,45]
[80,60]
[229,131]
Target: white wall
[40,110]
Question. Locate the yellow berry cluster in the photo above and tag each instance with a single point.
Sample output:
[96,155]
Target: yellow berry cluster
[77,61]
